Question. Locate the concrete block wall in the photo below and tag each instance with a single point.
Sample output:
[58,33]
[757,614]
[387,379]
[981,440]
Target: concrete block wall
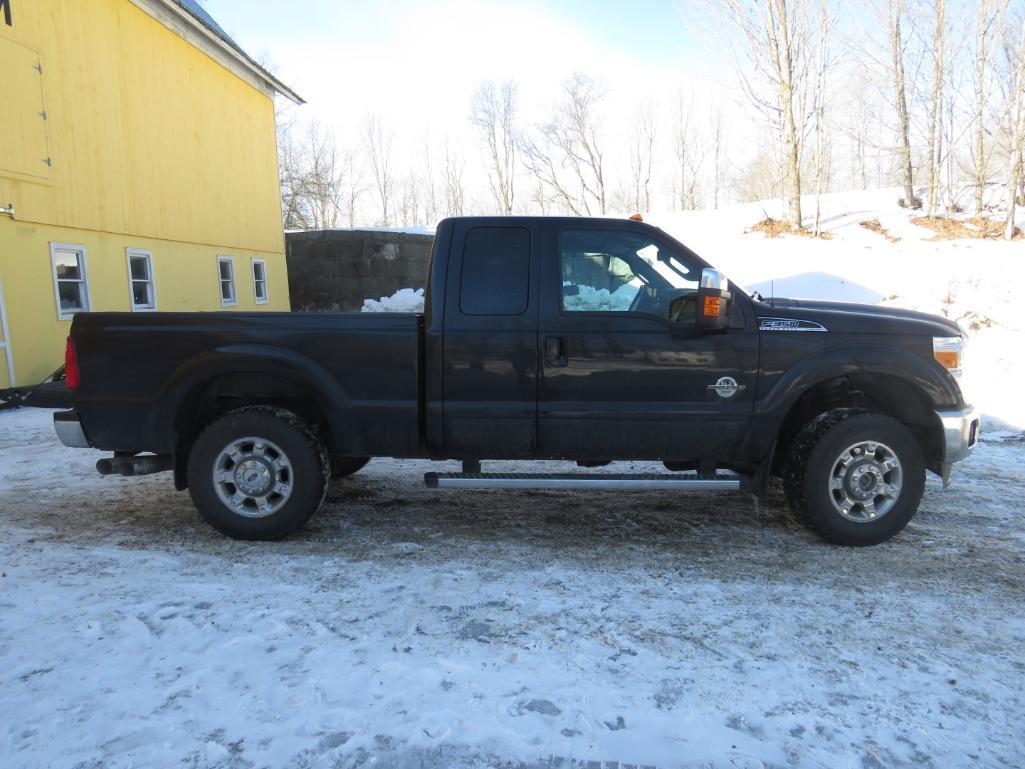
[332,270]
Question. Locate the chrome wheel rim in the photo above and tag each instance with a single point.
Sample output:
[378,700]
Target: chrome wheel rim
[865,481]
[253,477]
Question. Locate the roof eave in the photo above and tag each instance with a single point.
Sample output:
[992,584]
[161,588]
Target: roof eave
[241,58]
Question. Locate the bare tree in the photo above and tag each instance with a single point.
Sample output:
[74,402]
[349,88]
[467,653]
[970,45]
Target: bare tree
[687,156]
[642,155]
[1017,132]
[566,154]
[324,177]
[378,140]
[986,25]
[493,113]
[771,49]
[292,176]
[822,63]
[410,200]
[353,187]
[453,190]
[718,157]
[896,15]
[935,104]
[312,176]
[430,183]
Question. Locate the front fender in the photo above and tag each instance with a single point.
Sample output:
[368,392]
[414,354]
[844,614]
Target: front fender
[926,375]
[772,407]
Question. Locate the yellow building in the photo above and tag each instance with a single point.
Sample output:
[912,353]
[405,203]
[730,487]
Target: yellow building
[138,171]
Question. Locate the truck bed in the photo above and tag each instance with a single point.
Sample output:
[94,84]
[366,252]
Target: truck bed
[137,368]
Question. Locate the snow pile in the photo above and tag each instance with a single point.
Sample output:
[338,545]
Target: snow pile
[591,299]
[816,285]
[403,300]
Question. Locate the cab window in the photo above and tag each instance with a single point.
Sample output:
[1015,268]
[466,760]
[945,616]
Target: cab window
[496,271]
[614,271]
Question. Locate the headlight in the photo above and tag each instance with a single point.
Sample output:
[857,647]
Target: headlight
[949,352]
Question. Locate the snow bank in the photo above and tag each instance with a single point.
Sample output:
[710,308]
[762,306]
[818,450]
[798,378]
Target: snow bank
[816,285]
[403,300]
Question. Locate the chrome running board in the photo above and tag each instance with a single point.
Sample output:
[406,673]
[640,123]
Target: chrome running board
[678,482]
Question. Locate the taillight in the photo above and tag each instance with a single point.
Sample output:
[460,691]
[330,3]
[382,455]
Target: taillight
[72,375]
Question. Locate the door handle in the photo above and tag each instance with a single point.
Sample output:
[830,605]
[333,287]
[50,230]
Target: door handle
[555,351]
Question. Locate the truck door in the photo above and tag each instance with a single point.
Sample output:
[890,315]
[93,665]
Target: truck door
[625,372]
[489,369]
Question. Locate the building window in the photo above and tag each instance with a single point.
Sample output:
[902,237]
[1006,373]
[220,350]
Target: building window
[260,281]
[141,285]
[70,284]
[226,274]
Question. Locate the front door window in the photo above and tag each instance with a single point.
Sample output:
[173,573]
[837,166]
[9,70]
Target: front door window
[613,271]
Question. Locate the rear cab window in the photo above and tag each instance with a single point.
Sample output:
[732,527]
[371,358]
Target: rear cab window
[495,277]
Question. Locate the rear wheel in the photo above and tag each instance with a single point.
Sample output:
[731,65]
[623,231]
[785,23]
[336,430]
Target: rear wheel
[258,473]
[855,478]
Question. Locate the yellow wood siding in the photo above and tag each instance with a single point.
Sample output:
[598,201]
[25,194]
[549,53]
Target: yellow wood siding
[24,151]
[149,134]
[153,145]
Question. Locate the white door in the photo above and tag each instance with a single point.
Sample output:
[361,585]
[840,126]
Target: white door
[6,356]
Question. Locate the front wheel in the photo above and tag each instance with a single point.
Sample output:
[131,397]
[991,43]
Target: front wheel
[855,478]
[258,473]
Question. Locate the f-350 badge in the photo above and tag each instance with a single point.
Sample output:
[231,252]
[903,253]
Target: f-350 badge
[727,387]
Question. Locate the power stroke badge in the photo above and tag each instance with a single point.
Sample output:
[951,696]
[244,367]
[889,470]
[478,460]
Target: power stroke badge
[726,387]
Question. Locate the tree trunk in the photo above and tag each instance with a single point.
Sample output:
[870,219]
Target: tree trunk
[820,115]
[1017,138]
[934,106]
[903,116]
[779,31]
[980,107]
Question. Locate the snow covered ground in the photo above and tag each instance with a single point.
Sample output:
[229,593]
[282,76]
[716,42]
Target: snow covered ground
[413,628]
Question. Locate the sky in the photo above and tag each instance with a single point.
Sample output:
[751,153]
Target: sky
[416,63]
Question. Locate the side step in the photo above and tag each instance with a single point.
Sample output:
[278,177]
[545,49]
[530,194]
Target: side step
[680,482]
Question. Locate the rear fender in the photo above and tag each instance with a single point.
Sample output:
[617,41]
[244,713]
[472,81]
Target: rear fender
[331,397]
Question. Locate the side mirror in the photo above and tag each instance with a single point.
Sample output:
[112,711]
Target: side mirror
[714,299]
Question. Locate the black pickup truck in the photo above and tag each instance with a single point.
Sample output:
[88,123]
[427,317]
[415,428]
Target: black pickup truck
[592,340]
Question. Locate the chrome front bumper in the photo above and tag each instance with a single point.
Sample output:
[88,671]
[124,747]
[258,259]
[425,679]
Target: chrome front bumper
[69,430]
[961,428]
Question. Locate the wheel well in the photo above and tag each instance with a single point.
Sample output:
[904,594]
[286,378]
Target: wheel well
[881,393]
[210,399]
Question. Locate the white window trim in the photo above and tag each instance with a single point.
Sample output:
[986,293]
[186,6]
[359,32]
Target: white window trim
[80,249]
[129,253]
[234,287]
[266,286]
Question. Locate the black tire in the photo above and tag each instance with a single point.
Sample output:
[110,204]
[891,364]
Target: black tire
[303,473]
[342,467]
[815,454]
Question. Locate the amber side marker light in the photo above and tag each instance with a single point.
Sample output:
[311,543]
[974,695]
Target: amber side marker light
[713,305]
[948,352]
